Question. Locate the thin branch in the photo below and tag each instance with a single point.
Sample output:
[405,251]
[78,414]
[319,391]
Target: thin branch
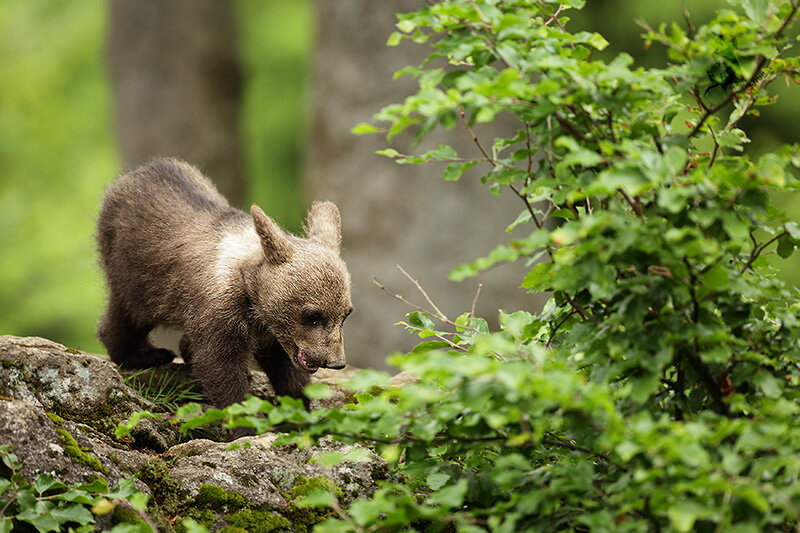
[425,294]
[571,128]
[418,308]
[759,249]
[712,387]
[635,205]
[475,300]
[586,315]
[494,162]
[557,327]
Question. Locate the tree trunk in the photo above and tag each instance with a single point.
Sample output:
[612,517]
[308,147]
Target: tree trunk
[396,214]
[177,85]
[176,79]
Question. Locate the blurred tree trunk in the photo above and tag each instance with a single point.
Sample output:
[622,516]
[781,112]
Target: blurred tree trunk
[176,81]
[177,85]
[396,214]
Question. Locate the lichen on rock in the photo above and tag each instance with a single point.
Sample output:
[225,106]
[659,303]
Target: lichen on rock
[58,410]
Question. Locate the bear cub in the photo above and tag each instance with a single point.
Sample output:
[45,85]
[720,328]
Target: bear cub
[175,253]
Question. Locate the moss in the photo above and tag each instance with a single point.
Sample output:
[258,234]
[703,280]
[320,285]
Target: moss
[305,518]
[202,516]
[77,453]
[91,478]
[73,351]
[166,492]
[258,521]
[232,529]
[219,499]
[55,419]
[123,515]
[303,486]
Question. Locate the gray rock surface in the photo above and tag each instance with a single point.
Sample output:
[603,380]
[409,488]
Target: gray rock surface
[59,408]
[264,473]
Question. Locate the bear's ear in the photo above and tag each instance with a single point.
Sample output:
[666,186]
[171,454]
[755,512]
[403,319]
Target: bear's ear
[324,224]
[277,247]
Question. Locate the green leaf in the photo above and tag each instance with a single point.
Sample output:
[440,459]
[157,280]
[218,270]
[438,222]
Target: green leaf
[598,41]
[716,278]
[316,498]
[450,496]
[437,480]
[188,524]
[442,152]
[364,128]
[389,152]
[406,26]
[454,171]
[73,513]
[317,391]
[786,245]
[684,514]
[394,39]
[768,384]
[421,320]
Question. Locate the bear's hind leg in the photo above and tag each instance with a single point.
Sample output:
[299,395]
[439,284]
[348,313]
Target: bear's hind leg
[127,342]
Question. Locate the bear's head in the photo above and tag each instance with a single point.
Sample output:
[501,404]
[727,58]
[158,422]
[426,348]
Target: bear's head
[302,288]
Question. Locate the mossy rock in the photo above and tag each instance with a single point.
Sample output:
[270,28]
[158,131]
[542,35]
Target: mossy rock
[258,521]
[303,486]
[123,515]
[218,499]
[166,492]
[77,453]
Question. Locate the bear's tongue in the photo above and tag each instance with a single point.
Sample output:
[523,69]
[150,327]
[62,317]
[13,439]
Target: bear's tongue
[301,358]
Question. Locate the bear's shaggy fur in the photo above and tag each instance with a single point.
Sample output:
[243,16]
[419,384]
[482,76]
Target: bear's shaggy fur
[176,253]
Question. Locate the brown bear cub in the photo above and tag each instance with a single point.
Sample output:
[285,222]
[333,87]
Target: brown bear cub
[176,253]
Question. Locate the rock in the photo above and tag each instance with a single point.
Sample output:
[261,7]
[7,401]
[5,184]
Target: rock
[77,386]
[59,408]
[75,453]
[264,474]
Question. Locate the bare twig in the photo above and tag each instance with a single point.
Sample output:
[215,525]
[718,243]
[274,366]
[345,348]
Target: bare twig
[475,300]
[759,249]
[425,294]
[491,160]
[423,310]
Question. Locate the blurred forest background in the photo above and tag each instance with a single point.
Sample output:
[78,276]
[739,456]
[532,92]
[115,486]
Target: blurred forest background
[59,146]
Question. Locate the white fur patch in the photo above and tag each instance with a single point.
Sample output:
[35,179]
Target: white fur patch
[234,248]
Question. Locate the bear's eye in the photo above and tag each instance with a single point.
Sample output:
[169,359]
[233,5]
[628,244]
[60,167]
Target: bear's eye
[313,317]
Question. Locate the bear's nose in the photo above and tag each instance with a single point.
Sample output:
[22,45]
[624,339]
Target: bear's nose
[334,366]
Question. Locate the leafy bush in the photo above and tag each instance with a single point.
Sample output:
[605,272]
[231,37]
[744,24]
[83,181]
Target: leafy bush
[658,388]
[50,505]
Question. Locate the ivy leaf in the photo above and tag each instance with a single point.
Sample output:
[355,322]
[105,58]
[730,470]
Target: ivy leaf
[437,480]
[450,496]
[73,513]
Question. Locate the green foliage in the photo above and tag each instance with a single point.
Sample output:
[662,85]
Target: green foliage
[50,505]
[658,388]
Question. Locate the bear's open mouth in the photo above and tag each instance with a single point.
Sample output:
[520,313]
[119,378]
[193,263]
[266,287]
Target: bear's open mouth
[301,359]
